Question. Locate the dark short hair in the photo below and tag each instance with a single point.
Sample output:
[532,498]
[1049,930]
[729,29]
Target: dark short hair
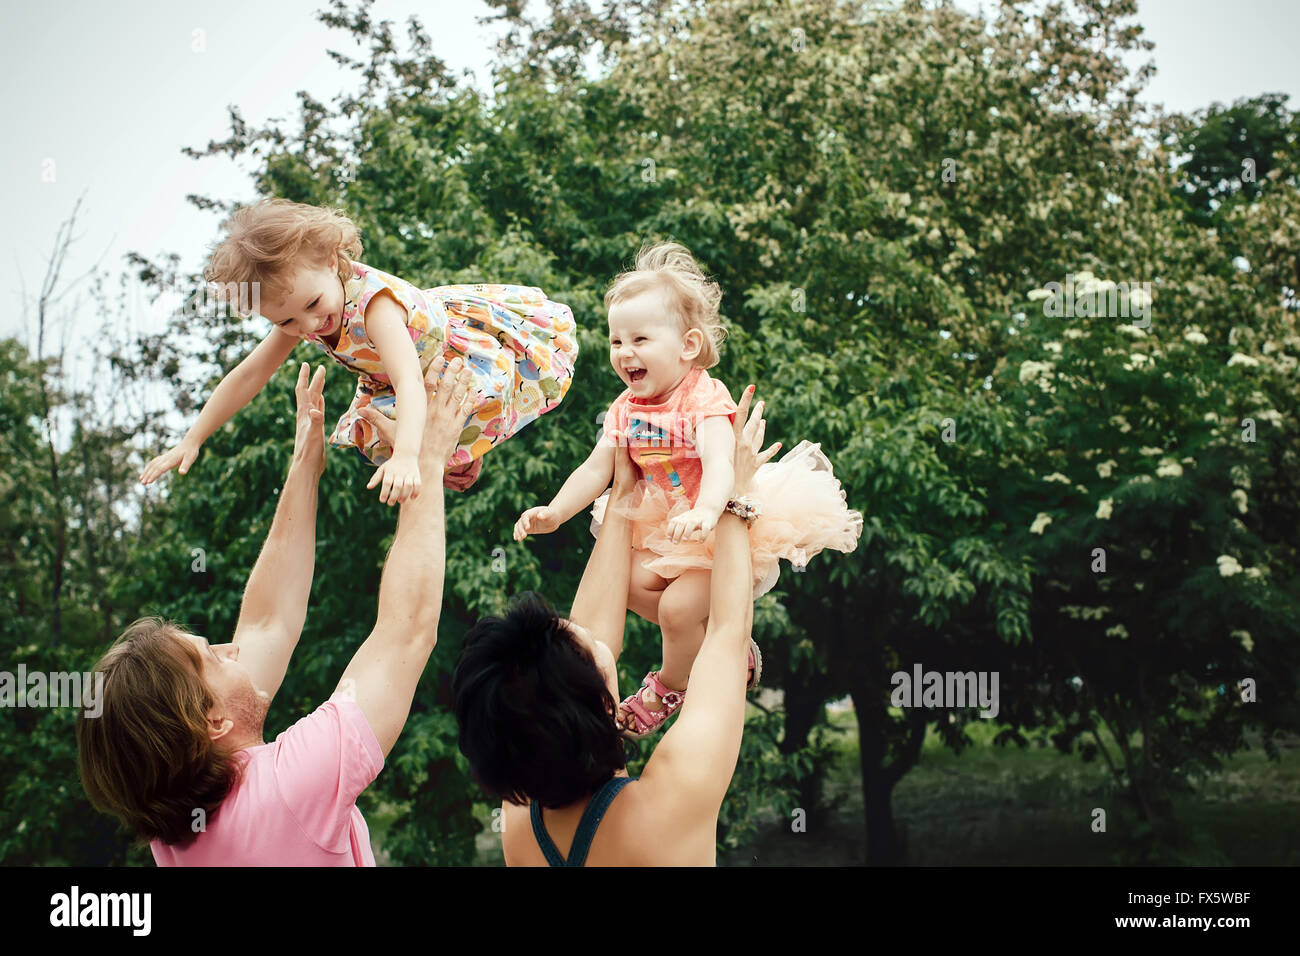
[536,719]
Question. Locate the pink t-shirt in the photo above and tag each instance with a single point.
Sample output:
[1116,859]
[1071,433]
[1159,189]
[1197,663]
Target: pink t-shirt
[297,802]
[661,437]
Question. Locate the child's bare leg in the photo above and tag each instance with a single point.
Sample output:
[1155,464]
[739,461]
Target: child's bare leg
[645,588]
[683,614]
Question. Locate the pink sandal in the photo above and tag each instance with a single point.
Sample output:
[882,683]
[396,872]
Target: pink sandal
[647,722]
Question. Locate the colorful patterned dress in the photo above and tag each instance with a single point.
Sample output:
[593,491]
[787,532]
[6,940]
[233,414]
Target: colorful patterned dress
[804,508]
[520,345]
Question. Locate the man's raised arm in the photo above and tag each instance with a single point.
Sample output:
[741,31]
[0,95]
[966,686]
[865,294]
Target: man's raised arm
[383,675]
[275,598]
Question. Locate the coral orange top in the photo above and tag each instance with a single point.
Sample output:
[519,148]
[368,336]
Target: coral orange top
[661,437]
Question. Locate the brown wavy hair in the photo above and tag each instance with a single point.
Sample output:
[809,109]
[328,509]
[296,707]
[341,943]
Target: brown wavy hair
[147,758]
[693,296]
[267,240]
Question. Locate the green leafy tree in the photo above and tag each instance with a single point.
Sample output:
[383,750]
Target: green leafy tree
[1156,467]
[1230,152]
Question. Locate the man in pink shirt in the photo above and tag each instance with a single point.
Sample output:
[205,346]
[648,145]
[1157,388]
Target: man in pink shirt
[178,752]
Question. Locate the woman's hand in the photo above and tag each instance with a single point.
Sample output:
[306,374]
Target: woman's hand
[626,474]
[309,439]
[749,438]
[183,455]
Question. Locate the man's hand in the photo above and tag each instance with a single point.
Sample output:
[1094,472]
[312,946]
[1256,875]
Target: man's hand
[450,400]
[451,396]
[309,439]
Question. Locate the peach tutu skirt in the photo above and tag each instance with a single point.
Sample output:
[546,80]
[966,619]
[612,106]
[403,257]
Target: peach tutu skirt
[804,512]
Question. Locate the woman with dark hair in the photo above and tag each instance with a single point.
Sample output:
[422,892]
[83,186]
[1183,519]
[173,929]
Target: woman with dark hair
[536,701]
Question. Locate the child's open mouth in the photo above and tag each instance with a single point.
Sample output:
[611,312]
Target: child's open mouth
[636,374]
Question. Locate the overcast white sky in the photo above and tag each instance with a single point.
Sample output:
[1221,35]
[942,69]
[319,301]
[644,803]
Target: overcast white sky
[111,92]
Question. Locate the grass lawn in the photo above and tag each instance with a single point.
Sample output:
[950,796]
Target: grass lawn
[1003,806]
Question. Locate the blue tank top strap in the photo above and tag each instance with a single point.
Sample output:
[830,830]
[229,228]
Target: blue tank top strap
[543,838]
[586,830]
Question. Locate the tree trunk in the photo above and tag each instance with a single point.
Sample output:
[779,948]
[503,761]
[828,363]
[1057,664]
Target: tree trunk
[886,845]
[48,298]
[60,527]
[1137,787]
[805,705]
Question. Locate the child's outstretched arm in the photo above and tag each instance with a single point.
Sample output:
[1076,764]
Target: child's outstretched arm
[582,488]
[234,392]
[386,326]
[716,443]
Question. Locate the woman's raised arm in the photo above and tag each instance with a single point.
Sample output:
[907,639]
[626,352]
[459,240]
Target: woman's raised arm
[697,756]
[601,602]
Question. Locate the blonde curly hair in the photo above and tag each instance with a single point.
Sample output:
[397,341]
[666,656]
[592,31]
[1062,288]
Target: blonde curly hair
[268,240]
[693,297]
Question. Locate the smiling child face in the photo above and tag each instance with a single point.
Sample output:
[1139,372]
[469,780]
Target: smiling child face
[647,347]
[315,304]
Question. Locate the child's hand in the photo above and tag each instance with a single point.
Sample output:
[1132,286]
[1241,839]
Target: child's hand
[540,520]
[183,454]
[401,478]
[694,525]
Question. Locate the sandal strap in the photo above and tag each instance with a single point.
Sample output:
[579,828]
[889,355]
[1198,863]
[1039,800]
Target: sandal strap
[639,711]
[673,698]
[647,719]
